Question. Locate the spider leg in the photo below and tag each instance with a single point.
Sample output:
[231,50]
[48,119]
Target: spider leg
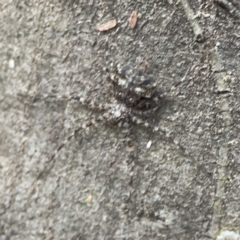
[93,104]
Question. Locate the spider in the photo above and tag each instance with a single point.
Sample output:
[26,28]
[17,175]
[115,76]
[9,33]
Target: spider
[135,95]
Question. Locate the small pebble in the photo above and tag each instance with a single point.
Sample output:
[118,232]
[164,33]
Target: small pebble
[11,63]
[149,144]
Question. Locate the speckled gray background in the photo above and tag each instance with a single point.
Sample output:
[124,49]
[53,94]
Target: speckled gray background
[185,186]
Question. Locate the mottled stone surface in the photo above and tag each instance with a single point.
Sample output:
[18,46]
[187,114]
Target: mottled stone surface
[184,185]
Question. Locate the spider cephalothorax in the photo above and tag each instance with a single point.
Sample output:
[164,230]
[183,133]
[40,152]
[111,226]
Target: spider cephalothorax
[131,86]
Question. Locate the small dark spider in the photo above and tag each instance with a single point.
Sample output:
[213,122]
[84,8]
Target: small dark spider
[135,95]
[131,86]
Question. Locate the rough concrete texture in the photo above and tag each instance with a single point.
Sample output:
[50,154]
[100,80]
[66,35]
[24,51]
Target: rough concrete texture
[184,186]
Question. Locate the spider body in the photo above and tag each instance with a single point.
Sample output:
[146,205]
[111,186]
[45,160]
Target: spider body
[134,96]
[131,86]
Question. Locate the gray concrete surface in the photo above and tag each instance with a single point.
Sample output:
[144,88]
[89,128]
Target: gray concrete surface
[184,186]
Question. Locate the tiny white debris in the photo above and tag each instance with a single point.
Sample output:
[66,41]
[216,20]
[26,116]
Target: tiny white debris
[228,235]
[122,82]
[117,114]
[149,144]
[139,90]
[11,63]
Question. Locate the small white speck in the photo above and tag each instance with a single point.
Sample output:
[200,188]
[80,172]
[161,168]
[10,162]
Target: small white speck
[11,63]
[138,90]
[122,82]
[117,114]
[149,144]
